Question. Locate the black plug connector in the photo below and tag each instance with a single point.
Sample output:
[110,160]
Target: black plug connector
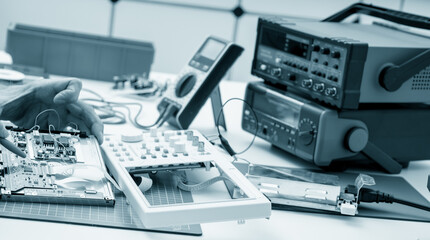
[373,196]
[370,196]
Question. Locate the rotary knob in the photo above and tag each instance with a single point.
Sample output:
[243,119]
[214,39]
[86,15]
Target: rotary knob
[356,139]
[306,131]
[276,72]
[185,85]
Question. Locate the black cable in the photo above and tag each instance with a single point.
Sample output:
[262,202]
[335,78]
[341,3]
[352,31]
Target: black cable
[374,196]
[411,204]
[167,112]
[224,141]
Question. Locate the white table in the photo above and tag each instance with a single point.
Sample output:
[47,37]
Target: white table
[281,225]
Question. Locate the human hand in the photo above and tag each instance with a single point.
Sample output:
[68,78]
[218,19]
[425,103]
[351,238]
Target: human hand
[22,104]
[3,132]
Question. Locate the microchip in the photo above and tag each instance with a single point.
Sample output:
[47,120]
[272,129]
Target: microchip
[46,139]
[64,141]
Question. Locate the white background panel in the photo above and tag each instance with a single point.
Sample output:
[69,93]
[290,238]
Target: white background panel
[76,15]
[177,33]
[224,4]
[420,7]
[246,35]
[304,8]
[393,4]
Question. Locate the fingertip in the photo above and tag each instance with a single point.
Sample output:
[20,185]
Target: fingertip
[69,93]
[3,132]
[97,130]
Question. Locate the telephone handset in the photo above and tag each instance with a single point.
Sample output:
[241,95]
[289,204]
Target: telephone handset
[198,80]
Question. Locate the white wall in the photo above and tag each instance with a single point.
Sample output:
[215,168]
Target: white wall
[176,32]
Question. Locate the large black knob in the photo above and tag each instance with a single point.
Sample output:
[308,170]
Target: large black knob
[185,85]
[306,132]
[356,139]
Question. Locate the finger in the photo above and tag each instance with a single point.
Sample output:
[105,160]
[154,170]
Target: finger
[87,114]
[3,132]
[68,91]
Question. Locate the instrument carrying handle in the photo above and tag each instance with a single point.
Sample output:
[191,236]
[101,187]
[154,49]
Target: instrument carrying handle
[399,17]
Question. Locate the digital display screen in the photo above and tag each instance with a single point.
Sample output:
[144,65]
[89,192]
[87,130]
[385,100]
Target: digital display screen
[285,42]
[285,112]
[212,49]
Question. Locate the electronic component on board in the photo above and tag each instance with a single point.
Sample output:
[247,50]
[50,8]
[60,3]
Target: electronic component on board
[347,64]
[60,167]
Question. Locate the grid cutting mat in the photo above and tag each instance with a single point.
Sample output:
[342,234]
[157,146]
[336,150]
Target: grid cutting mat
[119,216]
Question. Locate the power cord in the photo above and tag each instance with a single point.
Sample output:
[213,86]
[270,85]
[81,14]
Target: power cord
[224,141]
[373,196]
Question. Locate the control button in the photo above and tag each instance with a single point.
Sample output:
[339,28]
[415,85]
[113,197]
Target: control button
[201,147]
[325,63]
[316,48]
[115,149]
[276,72]
[336,66]
[205,67]
[294,65]
[278,60]
[124,149]
[127,153]
[189,135]
[330,91]
[195,140]
[154,156]
[168,134]
[121,159]
[157,148]
[315,60]
[173,140]
[319,87]
[325,51]
[142,157]
[118,154]
[305,69]
[291,77]
[179,147]
[111,145]
[307,83]
[143,145]
[330,77]
[335,54]
[335,79]
[263,67]
[153,132]
[319,74]
[165,150]
[164,155]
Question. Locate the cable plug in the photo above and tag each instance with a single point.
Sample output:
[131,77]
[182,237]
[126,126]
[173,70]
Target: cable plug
[373,196]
